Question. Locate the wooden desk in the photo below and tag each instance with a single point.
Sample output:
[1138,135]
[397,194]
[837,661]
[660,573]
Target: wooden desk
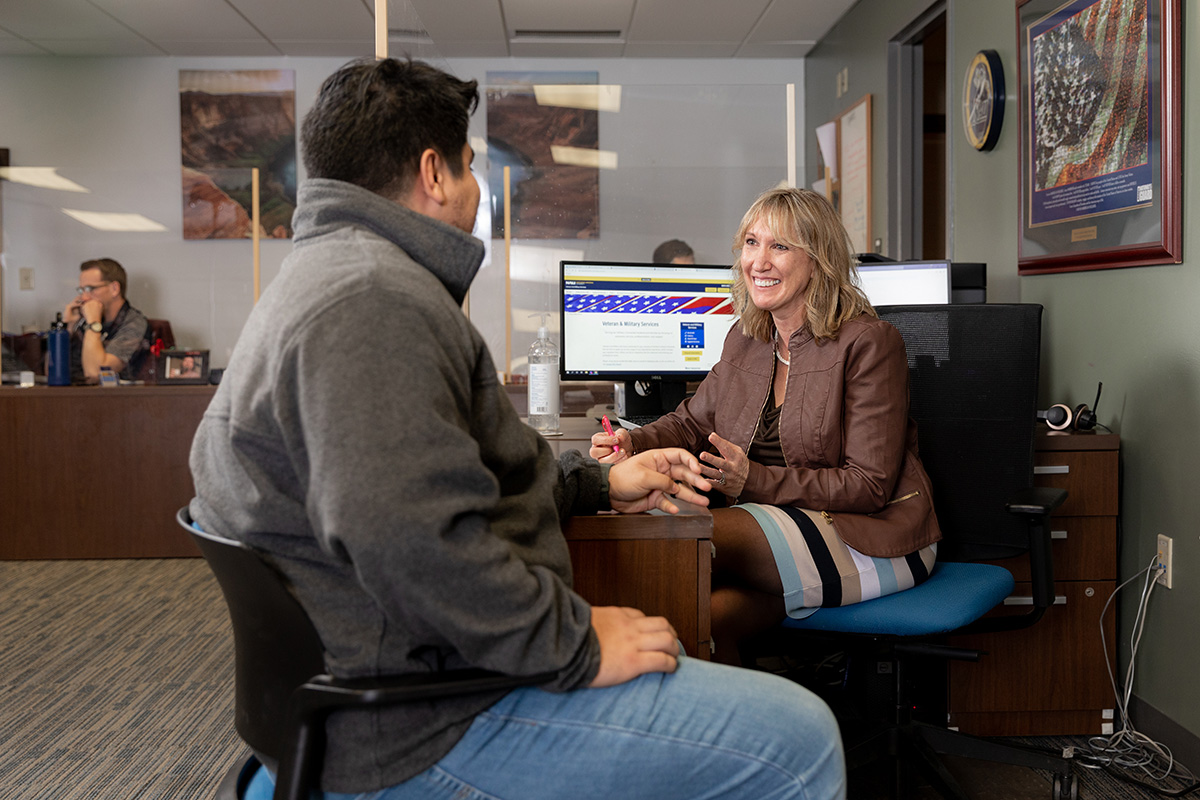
[660,564]
[89,472]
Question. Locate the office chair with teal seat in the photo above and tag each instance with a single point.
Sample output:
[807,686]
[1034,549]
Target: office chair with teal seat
[973,375]
[282,694]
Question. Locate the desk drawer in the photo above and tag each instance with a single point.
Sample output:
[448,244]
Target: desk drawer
[1090,478]
[1068,672]
[1084,548]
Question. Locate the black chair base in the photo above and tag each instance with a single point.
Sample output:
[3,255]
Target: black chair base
[917,746]
[233,786]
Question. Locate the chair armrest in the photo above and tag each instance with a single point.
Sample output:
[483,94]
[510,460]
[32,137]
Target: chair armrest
[328,692]
[1035,505]
[1036,501]
[312,702]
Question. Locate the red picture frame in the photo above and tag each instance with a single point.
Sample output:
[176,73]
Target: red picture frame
[1100,134]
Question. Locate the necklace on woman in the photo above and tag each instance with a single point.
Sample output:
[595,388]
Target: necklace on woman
[775,347]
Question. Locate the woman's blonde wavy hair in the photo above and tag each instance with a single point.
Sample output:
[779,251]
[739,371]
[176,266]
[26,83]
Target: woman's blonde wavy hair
[805,220]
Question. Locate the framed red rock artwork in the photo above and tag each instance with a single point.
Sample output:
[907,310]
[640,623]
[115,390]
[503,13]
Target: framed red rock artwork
[231,121]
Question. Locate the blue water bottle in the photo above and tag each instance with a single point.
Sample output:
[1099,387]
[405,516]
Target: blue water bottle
[58,354]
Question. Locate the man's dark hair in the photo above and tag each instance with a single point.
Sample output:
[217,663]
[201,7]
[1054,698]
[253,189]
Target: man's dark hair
[373,119]
[670,250]
[110,270]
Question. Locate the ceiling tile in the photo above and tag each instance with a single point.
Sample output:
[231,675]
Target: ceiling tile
[776,50]
[704,20]
[798,20]
[12,46]
[462,21]
[192,20]
[556,15]
[309,20]
[564,50]
[681,49]
[337,49]
[99,47]
[464,49]
[223,47]
[58,19]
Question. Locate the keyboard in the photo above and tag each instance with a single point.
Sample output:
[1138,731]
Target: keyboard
[637,420]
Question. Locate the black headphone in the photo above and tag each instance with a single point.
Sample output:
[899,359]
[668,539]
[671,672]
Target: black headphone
[1060,417]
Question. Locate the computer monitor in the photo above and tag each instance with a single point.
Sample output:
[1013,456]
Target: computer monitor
[902,283]
[662,324]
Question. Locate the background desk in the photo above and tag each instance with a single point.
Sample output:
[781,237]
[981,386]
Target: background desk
[1050,679]
[87,472]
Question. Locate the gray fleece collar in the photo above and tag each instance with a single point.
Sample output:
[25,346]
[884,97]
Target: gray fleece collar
[325,205]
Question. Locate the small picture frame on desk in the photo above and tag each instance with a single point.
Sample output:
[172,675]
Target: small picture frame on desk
[182,366]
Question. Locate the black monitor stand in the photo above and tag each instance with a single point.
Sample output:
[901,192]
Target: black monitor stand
[653,398]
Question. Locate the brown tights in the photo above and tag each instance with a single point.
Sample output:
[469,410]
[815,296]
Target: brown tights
[747,595]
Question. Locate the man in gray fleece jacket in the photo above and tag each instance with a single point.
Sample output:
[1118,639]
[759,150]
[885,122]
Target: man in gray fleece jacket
[361,442]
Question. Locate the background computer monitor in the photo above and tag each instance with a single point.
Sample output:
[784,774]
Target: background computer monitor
[657,324]
[900,283]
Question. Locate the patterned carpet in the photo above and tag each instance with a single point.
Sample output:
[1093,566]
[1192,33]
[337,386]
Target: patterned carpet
[116,680]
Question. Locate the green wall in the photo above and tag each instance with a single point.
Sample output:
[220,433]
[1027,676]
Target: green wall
[1137,330]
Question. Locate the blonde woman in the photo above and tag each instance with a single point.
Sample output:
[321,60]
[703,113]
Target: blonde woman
[803,427]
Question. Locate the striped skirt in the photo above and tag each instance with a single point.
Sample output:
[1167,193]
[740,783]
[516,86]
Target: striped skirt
[818,569]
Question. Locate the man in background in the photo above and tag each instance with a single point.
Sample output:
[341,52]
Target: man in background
[106,331]
[361,443]
[674,251]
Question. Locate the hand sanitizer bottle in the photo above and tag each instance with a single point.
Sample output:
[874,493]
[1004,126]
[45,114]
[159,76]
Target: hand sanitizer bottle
[543,381]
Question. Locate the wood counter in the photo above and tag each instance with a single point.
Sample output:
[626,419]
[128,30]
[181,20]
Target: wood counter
[91,472]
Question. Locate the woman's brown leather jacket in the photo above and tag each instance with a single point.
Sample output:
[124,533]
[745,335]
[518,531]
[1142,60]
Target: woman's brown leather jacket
[850,446]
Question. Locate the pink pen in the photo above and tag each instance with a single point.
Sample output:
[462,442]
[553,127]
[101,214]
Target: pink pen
[608,429]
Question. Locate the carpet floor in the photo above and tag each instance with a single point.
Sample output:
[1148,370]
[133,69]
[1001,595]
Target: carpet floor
[116,682]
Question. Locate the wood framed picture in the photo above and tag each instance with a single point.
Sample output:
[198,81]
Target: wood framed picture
[854,173]
[1100,118]
[183,366]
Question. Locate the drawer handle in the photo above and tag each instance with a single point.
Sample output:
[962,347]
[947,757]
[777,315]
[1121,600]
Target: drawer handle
[1056,469]
[1059,600]
[1058,534]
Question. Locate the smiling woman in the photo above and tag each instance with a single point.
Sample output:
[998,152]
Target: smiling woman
[803,428]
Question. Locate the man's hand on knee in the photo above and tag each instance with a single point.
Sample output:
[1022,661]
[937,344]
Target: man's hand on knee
[632,644]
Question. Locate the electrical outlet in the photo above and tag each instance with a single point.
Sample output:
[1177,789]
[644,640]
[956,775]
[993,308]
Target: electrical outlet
[1165,547]
[26,274]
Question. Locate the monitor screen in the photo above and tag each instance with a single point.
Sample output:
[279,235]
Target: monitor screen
[902,283]
[623,321]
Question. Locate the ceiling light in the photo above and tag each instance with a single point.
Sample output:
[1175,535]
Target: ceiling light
[543,35]
[41,177]
[113,221]
[601,97]
[583,157]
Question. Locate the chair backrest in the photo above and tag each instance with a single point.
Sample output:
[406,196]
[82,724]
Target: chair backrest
[26,351]
[160,329]
[276,646]
[973,378]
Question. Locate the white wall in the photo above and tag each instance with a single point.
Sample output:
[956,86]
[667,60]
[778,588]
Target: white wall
[692,129]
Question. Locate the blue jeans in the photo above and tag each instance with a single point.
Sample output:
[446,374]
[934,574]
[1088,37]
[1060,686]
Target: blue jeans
[706,731]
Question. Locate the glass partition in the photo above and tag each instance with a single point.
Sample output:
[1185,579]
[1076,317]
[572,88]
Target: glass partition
[95,171]
[672,162]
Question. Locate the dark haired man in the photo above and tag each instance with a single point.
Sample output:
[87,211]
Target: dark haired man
[361,442]
[106,331]
[673,251]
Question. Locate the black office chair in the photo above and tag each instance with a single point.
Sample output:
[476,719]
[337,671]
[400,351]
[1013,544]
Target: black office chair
[973,386]
[282,694]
